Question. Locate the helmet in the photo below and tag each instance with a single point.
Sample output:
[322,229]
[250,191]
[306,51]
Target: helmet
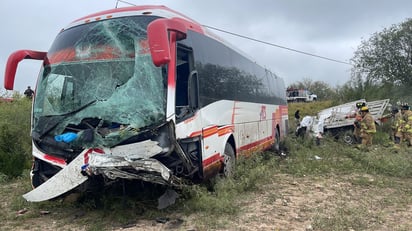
[364,109]
[405,106]
[359,105]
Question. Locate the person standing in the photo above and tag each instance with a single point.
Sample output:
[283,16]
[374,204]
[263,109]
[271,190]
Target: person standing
[368,128]
[29,92]
[396,125]
[297,118]
[407,126]
[356,123]
[304,126]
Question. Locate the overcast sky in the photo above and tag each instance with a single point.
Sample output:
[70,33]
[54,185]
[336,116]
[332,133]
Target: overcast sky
[329,28]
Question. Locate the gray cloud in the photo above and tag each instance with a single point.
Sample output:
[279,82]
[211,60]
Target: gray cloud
[324,27]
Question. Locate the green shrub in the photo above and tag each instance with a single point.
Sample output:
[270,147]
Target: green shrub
[13,158]
[15,142]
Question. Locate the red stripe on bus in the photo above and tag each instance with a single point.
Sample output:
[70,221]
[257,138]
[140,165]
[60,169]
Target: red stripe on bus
[86,155]
[255,144]
[234,112]
[216,157]
[188,22]
[119,10]
[103,53]
[54,159]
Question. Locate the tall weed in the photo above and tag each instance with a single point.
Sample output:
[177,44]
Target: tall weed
[15,142]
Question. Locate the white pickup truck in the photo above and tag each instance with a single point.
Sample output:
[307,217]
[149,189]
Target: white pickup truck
[300,95]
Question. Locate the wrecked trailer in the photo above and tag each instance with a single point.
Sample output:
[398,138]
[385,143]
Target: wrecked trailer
[145,94]
[339,120]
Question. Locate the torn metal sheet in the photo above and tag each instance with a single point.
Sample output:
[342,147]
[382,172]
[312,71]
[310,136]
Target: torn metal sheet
[109,165]
[141,150]
[113,163]
[65,180]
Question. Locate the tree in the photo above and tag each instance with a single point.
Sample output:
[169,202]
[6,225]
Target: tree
[384,62]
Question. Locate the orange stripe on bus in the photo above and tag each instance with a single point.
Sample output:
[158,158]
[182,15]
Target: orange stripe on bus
[225,130]
[214,130]
[194,134]
[209,131]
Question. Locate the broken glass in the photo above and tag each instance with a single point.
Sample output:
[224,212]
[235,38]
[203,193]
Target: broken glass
[102,71]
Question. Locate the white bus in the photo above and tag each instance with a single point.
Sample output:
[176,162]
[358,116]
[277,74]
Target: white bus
[145,93]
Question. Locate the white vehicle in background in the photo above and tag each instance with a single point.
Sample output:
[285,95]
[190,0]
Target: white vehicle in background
[300,95]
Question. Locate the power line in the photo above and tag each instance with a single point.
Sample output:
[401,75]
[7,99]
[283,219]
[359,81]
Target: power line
[279,46]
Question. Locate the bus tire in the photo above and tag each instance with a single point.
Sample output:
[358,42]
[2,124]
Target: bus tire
[229,161]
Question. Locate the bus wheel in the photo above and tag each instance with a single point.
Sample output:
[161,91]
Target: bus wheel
[229,161]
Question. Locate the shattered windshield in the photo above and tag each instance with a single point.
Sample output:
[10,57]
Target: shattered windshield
[101,71]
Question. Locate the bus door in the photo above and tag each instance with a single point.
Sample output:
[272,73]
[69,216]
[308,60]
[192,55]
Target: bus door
[187,93]
[187,114]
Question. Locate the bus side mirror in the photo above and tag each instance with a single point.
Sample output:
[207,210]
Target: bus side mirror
[13,61]
[158,36]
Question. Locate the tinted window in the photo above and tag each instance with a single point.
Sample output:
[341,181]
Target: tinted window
[225,74]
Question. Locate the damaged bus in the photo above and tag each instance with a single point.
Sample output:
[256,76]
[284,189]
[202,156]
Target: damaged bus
[145,93]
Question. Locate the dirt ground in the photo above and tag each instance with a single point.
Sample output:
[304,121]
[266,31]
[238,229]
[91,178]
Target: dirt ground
[288,203]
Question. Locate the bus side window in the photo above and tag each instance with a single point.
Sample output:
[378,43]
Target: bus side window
[184,83]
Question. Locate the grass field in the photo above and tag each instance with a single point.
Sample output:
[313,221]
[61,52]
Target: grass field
[331,186]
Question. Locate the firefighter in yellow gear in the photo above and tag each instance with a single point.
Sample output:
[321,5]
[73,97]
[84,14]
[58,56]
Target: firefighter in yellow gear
[368,128]
[407,126]
[356,124]
[396,126]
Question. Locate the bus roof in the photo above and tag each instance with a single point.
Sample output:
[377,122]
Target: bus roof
[161,11]
[155,10]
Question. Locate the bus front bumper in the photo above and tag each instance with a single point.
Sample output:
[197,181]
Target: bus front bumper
[113,167]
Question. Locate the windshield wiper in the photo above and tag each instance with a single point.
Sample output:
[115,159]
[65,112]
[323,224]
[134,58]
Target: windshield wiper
[78,109]
[49,122]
